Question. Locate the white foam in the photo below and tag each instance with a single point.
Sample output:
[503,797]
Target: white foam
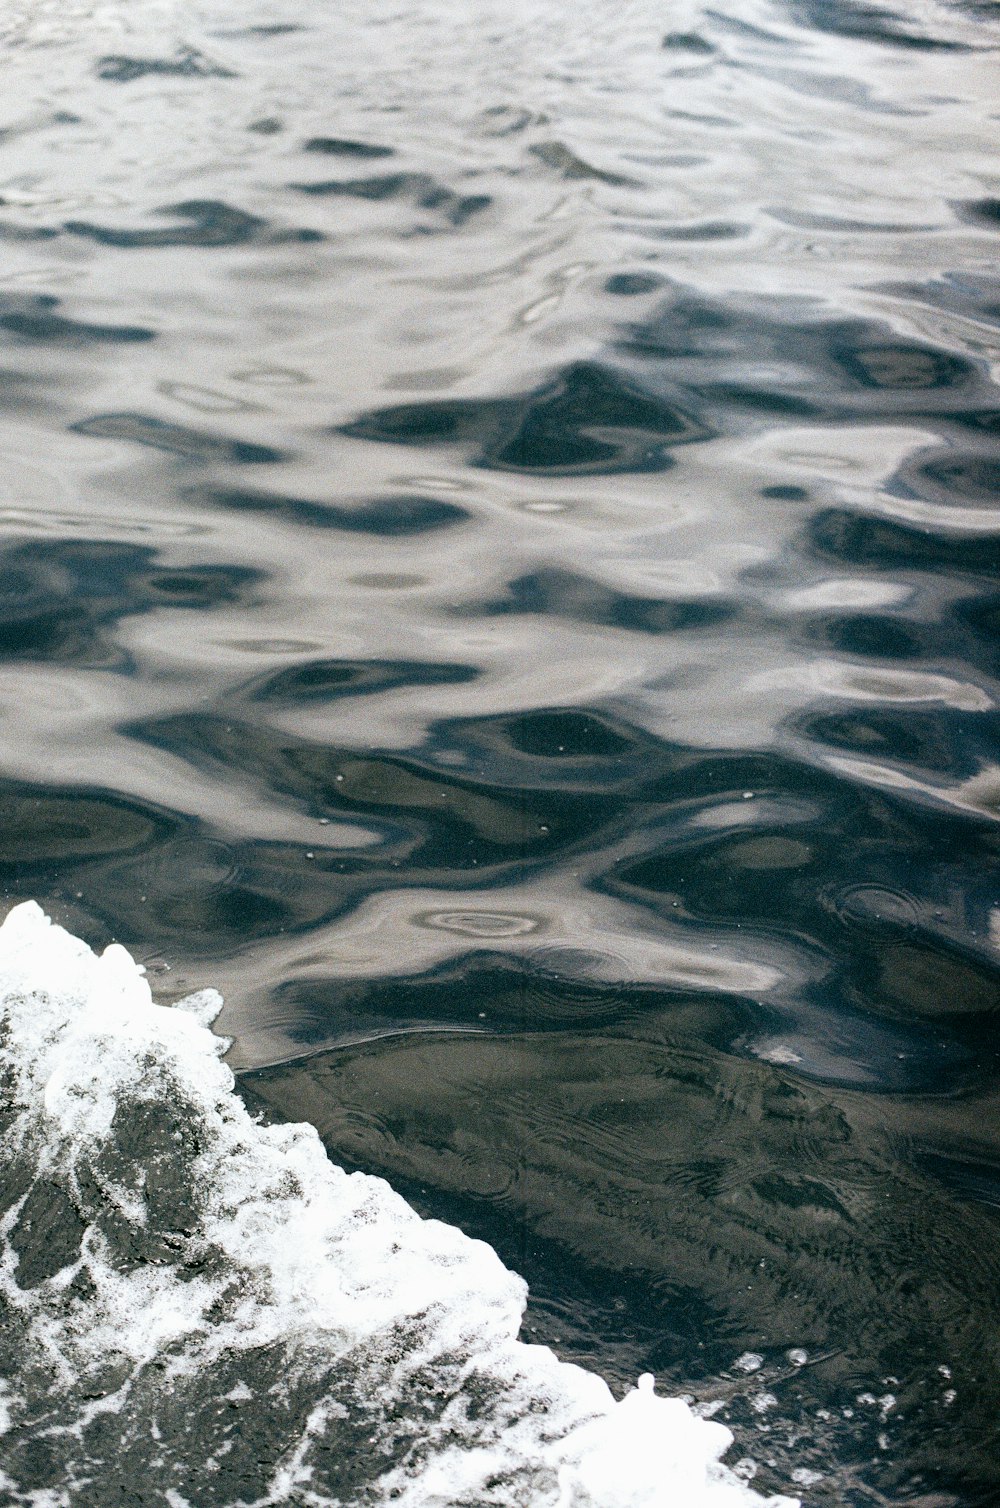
[231,1285]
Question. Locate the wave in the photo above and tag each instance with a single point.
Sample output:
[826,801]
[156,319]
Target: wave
[196,1308]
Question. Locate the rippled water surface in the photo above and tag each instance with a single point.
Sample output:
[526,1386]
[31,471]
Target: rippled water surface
[500,528]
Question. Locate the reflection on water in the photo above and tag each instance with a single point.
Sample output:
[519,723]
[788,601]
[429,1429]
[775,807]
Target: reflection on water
[500,533]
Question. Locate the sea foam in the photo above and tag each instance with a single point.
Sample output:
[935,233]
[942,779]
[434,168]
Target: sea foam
[197,1309]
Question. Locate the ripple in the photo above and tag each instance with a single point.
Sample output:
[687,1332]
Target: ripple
[206,400]
[883,684]
[192,864]
[864,1055]
[389,581]
[593,720]
[589,941]
[844,224]
[484,924]
[770,853]
[200,445]
[40,826]
[868,903]
[693,1179]
[274,646]
[978,795]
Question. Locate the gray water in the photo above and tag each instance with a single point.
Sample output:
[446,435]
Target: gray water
[500,531]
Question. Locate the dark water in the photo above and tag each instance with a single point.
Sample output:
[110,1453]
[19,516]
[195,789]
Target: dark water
[501,518]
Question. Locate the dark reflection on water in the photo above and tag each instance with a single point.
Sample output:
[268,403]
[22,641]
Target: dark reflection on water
[386,516]
[419,188]
[870,23]
[564,594]
[210,223]
[701,369]
[888,544]
[589,418]
[34,318]
[575,753]
[60,601]
[322,679]
[336,146]
[188,63]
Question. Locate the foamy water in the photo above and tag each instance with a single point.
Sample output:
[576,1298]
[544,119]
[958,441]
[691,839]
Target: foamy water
[209,1310]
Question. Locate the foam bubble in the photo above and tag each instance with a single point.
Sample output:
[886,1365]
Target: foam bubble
[206,1305]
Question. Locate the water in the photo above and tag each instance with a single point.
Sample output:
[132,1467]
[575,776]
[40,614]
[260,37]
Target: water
[200,1308]
[500,518]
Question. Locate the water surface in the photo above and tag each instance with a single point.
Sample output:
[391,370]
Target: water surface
[500,528]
